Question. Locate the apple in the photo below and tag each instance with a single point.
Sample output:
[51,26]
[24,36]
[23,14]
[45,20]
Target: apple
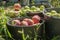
[42,7]
[16,22]
[24,23]
[12,14]
[29,21]
[36,19]
[17,6]
[26,7]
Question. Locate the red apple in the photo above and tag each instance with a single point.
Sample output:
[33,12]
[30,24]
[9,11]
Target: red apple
[17,6]
[36,19]
[26,19]
[29,21]
[16,22]
[24,23]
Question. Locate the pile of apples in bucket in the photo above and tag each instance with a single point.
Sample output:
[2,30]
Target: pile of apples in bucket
[27,21]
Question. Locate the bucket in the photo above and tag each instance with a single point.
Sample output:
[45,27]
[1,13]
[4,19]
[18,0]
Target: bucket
[52,25]
[19,32]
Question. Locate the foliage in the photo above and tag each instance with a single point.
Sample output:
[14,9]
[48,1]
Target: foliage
[3,28]
[55,3]
[56,38]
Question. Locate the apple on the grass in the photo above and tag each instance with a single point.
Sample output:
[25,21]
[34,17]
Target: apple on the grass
[36,19]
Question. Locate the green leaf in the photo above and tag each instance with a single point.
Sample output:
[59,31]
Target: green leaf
[56,38]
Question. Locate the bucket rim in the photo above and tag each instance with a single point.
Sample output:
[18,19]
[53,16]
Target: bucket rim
[8,23]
